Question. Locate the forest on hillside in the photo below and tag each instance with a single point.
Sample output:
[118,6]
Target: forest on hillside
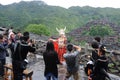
[21,15]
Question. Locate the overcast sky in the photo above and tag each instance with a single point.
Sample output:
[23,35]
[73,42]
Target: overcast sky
[68,3]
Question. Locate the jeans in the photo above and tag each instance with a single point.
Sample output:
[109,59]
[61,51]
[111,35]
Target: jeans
[49,76]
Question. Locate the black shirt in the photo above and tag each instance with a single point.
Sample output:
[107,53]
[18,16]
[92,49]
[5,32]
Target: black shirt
[22,50]
[51,60]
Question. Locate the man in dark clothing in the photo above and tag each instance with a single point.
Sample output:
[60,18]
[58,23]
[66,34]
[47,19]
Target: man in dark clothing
[3,53]
[90,64]
[21,50]
[101,66]
[94,55]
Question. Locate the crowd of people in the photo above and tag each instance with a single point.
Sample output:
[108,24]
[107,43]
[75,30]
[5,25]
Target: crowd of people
[19,45]
[97,67]
[58,51]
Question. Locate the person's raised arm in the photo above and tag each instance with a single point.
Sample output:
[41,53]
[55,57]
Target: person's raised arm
[52,39]
[78,48]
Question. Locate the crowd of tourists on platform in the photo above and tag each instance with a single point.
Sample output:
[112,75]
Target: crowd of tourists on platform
[19,45]
[58,51]
[97,67]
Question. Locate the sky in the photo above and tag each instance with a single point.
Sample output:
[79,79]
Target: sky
[68,3]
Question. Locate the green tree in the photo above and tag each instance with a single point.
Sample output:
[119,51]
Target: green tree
[100,31]
[37,29]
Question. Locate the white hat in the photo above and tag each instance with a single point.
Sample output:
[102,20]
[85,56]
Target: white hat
[89,62]
[10,34]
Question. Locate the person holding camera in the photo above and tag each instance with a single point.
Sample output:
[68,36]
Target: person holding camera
[71,59]
[19,56]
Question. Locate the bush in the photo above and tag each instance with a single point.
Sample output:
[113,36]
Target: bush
[37,29]
[100,31]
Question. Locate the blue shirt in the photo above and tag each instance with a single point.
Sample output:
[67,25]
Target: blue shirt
[3,51]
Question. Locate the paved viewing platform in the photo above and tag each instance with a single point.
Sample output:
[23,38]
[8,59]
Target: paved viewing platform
[38,74]
[38,71]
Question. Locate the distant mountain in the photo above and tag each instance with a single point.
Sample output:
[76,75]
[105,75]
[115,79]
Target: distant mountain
[19,15]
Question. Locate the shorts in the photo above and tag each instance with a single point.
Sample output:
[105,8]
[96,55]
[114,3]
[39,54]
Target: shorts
[75,75]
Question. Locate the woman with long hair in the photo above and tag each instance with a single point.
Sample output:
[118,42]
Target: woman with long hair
[51,60]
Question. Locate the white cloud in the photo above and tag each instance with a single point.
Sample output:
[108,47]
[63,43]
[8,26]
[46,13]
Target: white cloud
[68,3]
[93,3]
[5,2]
